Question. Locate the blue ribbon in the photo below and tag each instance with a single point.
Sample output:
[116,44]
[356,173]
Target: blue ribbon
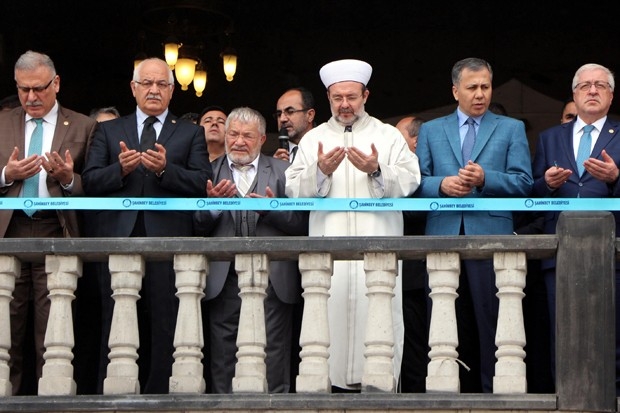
[317,204]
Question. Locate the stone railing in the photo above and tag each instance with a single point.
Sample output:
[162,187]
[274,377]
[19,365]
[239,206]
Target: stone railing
[587,385]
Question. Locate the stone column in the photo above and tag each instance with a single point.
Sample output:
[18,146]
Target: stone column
[122,374]
[187,377]
[62,276]
[251,371]
[316,272]
[510,270]
[10,268]
[381,271]
[443,371]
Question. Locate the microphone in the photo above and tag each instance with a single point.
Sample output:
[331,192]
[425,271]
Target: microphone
[283,138]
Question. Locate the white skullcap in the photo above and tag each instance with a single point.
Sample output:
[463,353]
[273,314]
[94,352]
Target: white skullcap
[345,70]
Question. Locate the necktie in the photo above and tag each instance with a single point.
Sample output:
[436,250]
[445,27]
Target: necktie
[293,153]
[470,139]
[585,147]
[243,184]
[31,185]
[149,136]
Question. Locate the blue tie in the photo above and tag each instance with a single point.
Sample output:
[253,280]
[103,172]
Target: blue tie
[585,147]
[470,139]
[31,185]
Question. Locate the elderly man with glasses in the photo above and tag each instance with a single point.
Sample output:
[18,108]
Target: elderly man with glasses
[579,159]
[149,153]
[43,148]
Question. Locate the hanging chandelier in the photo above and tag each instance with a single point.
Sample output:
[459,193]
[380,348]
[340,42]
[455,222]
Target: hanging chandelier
[187,27]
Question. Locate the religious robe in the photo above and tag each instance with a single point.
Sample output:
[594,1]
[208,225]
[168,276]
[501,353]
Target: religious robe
[400,174]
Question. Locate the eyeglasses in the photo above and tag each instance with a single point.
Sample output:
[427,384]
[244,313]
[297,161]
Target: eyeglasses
[147,84]
[234,135]
[585,86]
[36,89]
[288,112]
[339,99]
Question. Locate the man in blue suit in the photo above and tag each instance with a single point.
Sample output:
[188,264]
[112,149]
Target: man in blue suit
[496,163]
[560,172]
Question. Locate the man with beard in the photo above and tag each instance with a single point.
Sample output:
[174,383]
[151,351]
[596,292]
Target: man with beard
[244,172]
[295,112]
[353,155]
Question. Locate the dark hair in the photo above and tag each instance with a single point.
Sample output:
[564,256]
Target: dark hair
[109,109]
[192,117]
[307,98]
[472,63]
[209,109]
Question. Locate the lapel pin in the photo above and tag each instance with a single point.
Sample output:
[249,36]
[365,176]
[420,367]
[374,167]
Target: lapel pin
[66,123]
[611,131]
[174,121]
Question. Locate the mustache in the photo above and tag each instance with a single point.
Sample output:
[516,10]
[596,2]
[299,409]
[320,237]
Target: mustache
[35,103]
[151,96]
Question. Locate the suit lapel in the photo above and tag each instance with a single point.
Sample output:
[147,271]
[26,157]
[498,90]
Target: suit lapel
[262,175]
[610,129]
[19,126]
[60,132]
[167,129]
[451,129]
[130,126]
[488,123]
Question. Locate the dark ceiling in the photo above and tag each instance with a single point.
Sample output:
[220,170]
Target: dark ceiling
[411,45]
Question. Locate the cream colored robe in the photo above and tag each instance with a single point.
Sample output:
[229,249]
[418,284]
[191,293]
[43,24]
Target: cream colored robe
[400,172]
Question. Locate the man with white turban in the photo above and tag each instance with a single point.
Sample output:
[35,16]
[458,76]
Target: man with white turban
[353,155]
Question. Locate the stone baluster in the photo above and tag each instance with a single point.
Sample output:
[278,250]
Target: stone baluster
[187,377]
[381,271]
[251,371]
[316,272]
[62,276]
[443,371]
[510,271]
[10,268]
[122,374]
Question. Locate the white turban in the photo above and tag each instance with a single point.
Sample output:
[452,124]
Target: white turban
[345,70]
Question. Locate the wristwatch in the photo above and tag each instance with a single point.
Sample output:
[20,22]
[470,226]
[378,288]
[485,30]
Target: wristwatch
[376,173]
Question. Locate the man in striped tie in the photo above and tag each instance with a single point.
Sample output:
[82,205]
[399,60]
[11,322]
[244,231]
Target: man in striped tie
[244,172]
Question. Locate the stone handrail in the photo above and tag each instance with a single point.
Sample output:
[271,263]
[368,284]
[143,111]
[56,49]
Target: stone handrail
[126,257]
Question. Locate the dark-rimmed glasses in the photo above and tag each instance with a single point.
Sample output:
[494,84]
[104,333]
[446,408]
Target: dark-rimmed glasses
[288,112]
[36,89]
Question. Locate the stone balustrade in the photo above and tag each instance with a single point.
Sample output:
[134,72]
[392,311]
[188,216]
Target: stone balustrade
[64,258]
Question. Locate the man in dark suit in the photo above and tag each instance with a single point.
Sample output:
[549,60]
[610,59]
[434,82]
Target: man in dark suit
[474,153]
[53,169]
[175,163]
[560,169]
[264,177]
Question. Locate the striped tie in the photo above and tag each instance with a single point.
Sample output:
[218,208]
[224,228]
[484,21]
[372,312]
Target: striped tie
[243,178]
